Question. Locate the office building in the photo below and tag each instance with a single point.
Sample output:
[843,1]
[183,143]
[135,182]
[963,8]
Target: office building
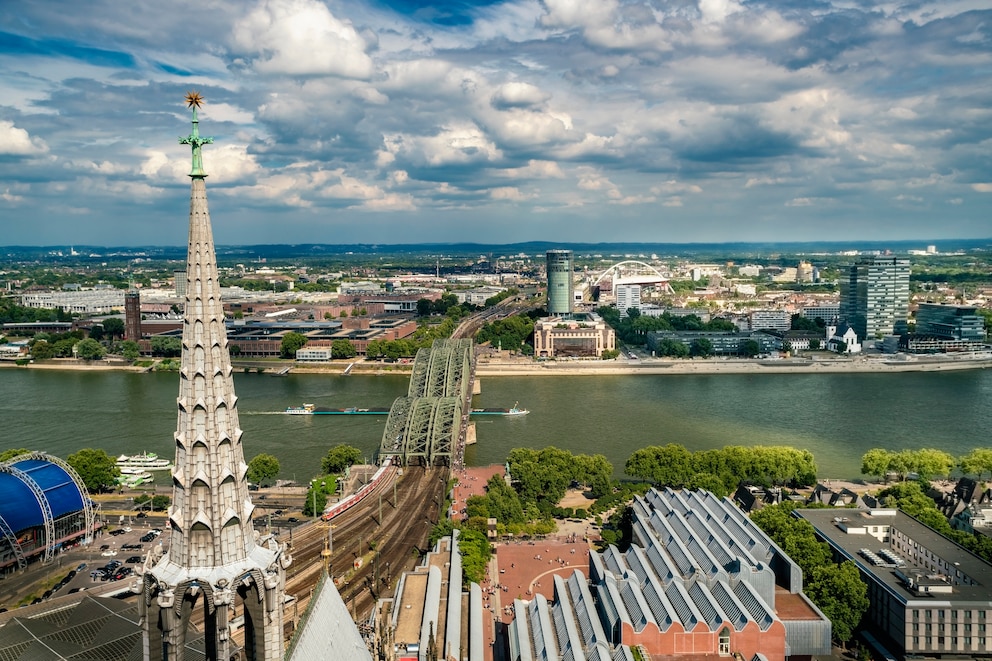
[780,320]
[929,597]
[950,322]
[874,296]
[587,336]
[628,296]
[560,294]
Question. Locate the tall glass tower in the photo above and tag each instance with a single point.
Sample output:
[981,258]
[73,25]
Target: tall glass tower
[874,296]
[559,282]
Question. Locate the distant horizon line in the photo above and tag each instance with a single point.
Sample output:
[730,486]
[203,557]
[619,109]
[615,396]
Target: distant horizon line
[871,244]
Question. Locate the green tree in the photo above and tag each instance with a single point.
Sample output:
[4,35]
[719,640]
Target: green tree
[876,462]
[262,468]
[316,501]
[750,348]
[340,457]
[343,349]
[977,462]
[7,455]
[424,307]
[673,348]
[291,342]
[97,469]
[669,465]
[42,350]
[90,349]
[168,346]
[841,594]
[130,349]
[63,347]
[929,463]
[373,349]
[701,347]
[113,326]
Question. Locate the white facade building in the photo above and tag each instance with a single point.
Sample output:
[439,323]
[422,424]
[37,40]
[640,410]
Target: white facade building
[628,296]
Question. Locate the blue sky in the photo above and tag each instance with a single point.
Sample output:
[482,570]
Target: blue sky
[590,120]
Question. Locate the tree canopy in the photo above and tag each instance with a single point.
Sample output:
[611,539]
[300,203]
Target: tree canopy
[343,349]
[291,342]
[672,465]
[339,458]
[7,455]
[927,463]
[262,469]
[96,468]
[90,349]
[542,476]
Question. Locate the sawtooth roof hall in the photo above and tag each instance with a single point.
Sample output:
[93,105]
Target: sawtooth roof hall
[700,581]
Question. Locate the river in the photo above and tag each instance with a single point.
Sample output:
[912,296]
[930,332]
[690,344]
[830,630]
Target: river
[835,416]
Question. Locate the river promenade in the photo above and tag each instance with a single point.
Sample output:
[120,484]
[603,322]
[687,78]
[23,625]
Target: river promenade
[825,365]
[495,366]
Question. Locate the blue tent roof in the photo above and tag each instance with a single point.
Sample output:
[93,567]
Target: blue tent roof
[18,505]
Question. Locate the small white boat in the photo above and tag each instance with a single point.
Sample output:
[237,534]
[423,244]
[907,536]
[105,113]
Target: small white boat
[306,409]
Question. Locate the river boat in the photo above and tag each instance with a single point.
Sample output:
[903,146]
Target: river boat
[132,477]
[510,412]
[306,409]
[145,461]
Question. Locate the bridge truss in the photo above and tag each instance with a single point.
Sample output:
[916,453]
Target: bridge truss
[424,427]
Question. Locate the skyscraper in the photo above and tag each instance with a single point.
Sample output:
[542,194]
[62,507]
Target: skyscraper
[215,557]
[559,266]
[874,296]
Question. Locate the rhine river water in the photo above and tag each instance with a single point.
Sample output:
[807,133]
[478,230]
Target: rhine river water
[835,416]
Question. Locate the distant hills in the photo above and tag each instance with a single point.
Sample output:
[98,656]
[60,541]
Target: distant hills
[289,251]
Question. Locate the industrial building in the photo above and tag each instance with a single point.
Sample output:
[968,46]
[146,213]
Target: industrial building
[700,580]
[929,597]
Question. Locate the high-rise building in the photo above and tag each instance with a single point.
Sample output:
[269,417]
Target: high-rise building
[179,278]
[628,296]
[560,269]
[874,296]
[214,558]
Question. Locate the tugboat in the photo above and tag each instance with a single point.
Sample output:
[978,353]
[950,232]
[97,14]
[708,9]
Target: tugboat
[306,409]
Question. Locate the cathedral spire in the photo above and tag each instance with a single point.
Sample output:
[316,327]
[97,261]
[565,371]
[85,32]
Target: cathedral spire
[194,100]
[214,551]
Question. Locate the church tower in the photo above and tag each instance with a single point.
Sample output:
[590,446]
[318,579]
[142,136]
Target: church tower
[215,559]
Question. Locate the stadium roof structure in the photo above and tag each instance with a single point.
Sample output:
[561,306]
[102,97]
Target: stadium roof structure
[36,489]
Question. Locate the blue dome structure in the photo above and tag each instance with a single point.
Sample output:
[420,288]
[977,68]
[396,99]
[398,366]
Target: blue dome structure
[43,505]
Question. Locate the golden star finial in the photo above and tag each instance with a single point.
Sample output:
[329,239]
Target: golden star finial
[193,99]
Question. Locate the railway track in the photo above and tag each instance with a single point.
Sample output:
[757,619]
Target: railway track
[387,547]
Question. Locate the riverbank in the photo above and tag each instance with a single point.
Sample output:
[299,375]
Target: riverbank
[519,366]
[864,364]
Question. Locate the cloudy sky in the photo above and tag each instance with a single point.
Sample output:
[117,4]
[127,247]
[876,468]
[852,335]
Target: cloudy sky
[394,121]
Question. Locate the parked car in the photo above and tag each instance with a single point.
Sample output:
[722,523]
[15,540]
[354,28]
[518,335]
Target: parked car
[119,531]
[131,547]
[141,515]
[112,565]
[123,572]
[147,537]
[81,566]
[133,560]
[98,574]
[293,519]
[104,547]
[109,553]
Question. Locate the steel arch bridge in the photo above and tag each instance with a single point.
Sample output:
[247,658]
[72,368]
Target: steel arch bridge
[424,427]
[632,271]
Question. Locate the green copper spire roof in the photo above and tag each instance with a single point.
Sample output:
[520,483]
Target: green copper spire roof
[193,100]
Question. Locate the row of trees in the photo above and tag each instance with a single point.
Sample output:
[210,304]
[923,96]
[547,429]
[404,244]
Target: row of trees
[634,328]
[927,463]
[722,470]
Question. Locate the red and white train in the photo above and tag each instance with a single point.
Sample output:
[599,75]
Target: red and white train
[357,497]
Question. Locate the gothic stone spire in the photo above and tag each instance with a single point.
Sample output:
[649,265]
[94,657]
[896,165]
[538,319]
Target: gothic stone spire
[213,550]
